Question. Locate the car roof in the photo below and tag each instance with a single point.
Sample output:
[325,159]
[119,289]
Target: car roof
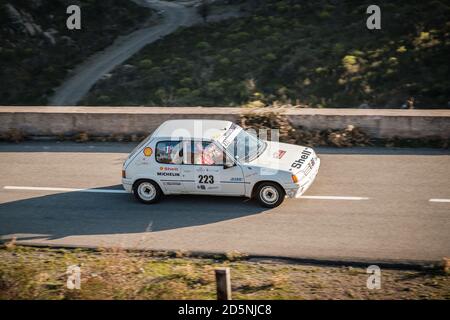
[193,128]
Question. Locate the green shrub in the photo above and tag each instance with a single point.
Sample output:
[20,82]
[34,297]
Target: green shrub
[203,45]
[319,62]
[146,63]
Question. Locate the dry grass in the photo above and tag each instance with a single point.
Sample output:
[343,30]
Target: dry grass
[13,135]
[16,136]
[351,136]
[116,137]
[40,273]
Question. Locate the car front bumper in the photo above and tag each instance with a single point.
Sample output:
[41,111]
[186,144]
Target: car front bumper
[296,190]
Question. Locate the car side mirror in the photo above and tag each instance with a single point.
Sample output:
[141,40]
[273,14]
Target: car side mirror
[229,165]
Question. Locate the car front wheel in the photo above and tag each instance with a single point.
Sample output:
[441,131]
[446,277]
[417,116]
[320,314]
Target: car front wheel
[147,191]
[270,195]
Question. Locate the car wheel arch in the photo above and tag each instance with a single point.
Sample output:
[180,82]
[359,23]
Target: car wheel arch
[257,184]
[138,180]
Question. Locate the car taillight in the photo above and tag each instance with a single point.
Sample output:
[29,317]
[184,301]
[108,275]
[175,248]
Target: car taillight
[294,178]
[124,174]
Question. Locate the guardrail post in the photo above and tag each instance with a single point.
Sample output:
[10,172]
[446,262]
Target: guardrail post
[223,283]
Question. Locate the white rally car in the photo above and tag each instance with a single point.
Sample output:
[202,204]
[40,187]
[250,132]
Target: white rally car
[216,157]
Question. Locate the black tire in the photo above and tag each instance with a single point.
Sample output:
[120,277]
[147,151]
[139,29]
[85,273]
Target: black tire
[154,191]
[267,190]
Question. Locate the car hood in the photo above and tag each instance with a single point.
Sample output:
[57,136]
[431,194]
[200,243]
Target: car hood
[284,156]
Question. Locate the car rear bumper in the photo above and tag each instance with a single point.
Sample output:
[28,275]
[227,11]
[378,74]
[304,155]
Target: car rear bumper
[127,185]
[296,190]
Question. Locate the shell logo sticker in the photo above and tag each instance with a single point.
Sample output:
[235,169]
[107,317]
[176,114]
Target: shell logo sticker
[148,151]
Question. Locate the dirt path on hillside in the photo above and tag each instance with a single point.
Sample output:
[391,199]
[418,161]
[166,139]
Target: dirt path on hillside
[83,77]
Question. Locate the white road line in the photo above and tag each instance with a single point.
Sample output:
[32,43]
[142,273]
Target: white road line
[439,200]
[65,189]
[334,198]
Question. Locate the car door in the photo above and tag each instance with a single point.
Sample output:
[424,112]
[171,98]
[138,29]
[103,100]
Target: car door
[204,171]
[169,159]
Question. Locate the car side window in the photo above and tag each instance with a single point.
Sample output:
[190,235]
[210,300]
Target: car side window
[206,153]
[169,152]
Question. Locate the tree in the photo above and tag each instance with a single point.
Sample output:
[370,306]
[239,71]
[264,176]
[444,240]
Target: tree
[204,9]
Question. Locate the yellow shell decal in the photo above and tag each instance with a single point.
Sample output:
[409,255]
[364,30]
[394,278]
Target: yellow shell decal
[148,151]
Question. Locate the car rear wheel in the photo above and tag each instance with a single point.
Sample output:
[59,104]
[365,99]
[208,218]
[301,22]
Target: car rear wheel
[147,191]
[270,195]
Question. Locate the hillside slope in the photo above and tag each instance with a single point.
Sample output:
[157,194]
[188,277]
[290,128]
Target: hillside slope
[316,53]
[37,50]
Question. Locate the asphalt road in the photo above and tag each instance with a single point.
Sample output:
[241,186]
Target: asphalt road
[397,222]
[89,72]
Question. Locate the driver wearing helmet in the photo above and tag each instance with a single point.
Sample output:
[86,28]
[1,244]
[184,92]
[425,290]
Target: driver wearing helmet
[208,155]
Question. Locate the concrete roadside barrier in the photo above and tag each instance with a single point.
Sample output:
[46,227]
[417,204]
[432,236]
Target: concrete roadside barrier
[104,121]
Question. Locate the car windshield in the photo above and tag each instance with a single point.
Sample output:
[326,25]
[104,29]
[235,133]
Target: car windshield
[246,146]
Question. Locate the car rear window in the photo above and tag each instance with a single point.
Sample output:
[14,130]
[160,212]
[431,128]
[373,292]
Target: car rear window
[143,142]
[169,152]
